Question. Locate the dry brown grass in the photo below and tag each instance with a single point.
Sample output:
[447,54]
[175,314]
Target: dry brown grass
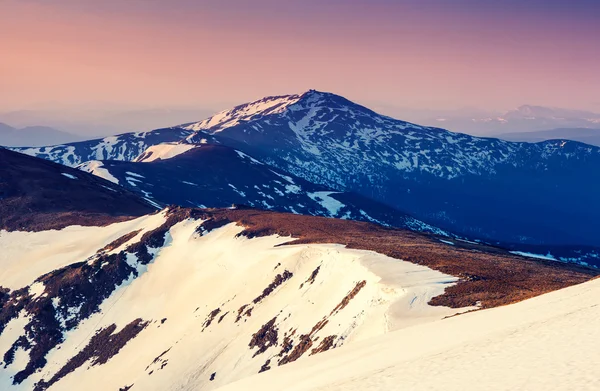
[488,275]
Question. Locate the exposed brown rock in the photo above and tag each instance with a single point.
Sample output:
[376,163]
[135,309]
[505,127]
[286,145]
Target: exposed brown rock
[84,285]
[277,281]
[265,366]
[301,347]
[210,318]
[346,300]
[264,338]
[36,196]
[222,316]
[102,346]
[326,344]
[158,358]
[120,241]
[211,224]
[240,312]
[311,278]
[304,344]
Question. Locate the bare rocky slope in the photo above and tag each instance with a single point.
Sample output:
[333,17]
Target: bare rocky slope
[37,195]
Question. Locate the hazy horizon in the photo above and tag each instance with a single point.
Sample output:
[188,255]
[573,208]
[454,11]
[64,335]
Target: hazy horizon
[210,55]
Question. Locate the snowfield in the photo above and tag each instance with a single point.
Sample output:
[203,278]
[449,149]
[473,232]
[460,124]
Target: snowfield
[163,151]
[27,255]
[551,342]
[215,306]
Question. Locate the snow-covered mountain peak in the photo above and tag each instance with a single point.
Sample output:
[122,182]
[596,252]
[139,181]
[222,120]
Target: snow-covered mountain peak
[244,113]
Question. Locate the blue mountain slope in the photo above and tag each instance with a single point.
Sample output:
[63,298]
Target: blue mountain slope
[542,193]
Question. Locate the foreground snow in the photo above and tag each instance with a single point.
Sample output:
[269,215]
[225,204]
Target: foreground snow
[551,342]
[205,297]
[27,255]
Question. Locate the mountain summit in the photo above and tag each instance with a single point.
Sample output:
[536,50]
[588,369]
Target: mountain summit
[506,192]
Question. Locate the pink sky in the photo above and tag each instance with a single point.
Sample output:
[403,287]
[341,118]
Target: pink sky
[211,54]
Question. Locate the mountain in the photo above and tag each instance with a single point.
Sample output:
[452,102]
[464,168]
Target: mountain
[127,146]
[505,192]
[499,349]
[36,194]
[582,135]
[523,119]
[199,298]
[511,192]
[219,176]
[33,136]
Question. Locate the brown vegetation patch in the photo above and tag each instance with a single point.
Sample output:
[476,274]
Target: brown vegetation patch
[21,342]
[101,348]
[301,347]
[277,281]
[120,241]
[311,278]
[265,367]
[211,224]
[210,318]
[159,358]
[489,275]
[36,196]
[326,344]
[346,300]
[82,286]
[264,338]
[304,344]
[240,313]
[222,316]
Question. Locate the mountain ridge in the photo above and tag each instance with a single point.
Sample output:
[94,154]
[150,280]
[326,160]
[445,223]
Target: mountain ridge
[446,179]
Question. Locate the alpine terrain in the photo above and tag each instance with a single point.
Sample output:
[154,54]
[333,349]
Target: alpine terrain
[199,298]
[498,191]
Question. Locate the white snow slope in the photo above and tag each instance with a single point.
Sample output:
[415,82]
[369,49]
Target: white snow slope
[207,297]
[163,151]
[96,167]
[551,342]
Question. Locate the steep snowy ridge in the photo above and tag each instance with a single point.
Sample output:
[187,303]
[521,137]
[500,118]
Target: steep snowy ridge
[126,146]
[244,113]
[234,314]
[254,291]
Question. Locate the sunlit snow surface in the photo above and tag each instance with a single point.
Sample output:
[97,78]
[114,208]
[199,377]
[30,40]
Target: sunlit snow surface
[550,342]
[194,274]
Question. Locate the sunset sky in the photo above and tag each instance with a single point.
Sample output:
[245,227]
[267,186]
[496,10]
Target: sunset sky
[439,54]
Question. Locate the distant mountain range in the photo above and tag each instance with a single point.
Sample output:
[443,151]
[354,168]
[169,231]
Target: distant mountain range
[583,135]
[33,136]
[90,122]
[491,189]
[526,118]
